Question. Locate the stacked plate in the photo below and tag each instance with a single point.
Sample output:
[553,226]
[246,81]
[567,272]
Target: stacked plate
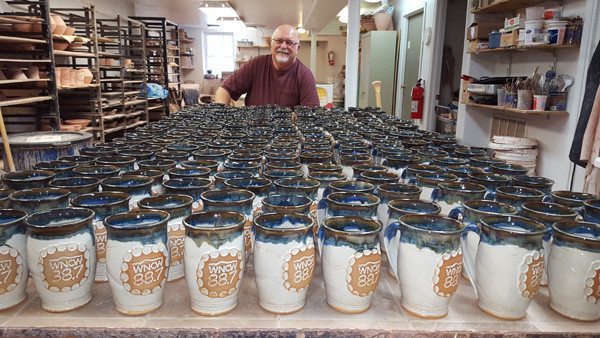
[516,150]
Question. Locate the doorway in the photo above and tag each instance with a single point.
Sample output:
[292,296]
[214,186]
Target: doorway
[412,63]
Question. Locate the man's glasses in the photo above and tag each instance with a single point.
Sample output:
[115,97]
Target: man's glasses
[287,42]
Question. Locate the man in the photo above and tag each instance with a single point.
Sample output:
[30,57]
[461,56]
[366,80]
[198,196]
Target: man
[278,78]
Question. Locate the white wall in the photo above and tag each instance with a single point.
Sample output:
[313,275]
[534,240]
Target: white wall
[454,36]
[430,56]
[554,135]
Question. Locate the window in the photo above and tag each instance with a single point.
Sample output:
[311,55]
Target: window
[219,55]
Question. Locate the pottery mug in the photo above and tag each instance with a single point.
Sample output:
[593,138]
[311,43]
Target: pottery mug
[450,195]
[178,207]
[13,258]
[284,260]
[574,270]
[103,204]
[507,266]
[214,260]
[427,258]
[351,261]
[61,253]
[137,259]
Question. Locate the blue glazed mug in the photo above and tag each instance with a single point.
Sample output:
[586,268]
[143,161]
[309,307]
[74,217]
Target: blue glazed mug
[13,256]
[424,252]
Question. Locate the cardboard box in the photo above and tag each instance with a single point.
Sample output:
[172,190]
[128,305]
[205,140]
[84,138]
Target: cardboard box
[325,92]
[516,23]
[509,39]
[481,29]
[477,45]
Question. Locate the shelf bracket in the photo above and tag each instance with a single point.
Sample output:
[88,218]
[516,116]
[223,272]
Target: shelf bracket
[510,62]
[555,59]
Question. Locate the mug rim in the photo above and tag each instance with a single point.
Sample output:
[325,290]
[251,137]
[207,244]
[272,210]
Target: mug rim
[165,217]
[20,219]
[125,197]
[542,228]
[538,193]
[557,226]
[568,211]
[391,205]
[188,218]
[460,225]
[468,206]
[259,218]
[280,182]
[368,196]
[266,201]
[475,187]
[185,199]
[61,193]
[378,224]
[249,193]
[64,226]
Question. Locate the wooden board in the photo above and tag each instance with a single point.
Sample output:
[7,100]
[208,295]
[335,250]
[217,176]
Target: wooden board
[504,6]
[520,112]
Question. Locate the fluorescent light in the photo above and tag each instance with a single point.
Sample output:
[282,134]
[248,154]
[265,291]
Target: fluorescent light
[230,21]
[217,9]
[343,15]
[373,1]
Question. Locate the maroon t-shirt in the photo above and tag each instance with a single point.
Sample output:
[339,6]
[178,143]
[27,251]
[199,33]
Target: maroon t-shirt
[263,84]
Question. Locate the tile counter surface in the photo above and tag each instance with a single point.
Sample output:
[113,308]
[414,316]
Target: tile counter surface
[99,317]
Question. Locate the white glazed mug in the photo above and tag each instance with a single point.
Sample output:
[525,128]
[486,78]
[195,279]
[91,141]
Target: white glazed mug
[13,258]
[424,252]
[61,253]
[137,259]
[214,260]
[574,270]
[284,260]
[507,267]
[351,262]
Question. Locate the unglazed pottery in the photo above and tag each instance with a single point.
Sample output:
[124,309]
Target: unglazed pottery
[427,258]
[61,253]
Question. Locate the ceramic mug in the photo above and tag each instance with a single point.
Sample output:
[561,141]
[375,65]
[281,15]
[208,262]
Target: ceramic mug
[591,211]
[222,176]
[5,202]
[450,195]
[138,187]
[178,207]
[351,261]
[214,260]
[348,204]
[517,195]
[571,199]
[284,260]
[76,185]
[430,181]
[157,177]
[61,254]
[237,200]
[424,252]
[193,187]
[574,270]
[507,266]
[103,204]
[137,259]
[13,258]
[324,178]
[391,191]
[40,199]
[298,186]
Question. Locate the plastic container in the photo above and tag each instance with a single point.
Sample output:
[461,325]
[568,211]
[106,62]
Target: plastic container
[494,39]
[553,14]
[534,13]
[556,30]
[539,102]
[533,29]
[382,21]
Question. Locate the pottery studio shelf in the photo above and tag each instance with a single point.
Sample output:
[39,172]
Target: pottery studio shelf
[519,112]
[385,318]
[39,96]
[503,6]
[542,48]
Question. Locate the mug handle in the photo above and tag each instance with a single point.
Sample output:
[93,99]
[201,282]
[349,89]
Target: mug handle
[436,195]
[548,198]
[469,242]
[322,210]
[412,181]
[320,239]
[391,241]
[490,196]
[457,213]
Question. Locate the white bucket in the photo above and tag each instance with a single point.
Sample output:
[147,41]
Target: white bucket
[532,29]
[557,30]
[534,13]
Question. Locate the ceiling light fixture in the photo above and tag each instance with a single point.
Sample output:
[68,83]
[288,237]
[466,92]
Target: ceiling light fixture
[373,1]
[301,30]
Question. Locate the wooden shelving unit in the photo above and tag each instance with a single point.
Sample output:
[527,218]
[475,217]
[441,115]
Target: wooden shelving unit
[503,6]
[525,48]
[83,101]
[28,103]
[186,59]
[520,112]
[252,51]
[162,61]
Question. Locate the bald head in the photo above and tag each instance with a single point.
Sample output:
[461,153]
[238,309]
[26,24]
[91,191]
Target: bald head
[284,46]
[285,30]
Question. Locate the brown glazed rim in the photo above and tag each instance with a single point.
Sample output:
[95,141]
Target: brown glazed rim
[377,225]
[262,228]
[558,228]
[118,194]
[63,229]
[240,224]
[185,199]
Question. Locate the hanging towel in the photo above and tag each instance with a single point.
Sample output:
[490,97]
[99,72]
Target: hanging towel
[591,87]
[591,147]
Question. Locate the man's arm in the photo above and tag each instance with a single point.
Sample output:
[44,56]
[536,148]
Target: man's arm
[222,96]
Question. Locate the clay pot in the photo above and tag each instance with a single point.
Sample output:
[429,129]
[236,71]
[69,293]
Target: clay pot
[33,73]
[22,27]
[69,31]
[16,74]
[59,45]
[79,77]
[87,75]
[82,123]
[73,77]
[60,27]
[65,77]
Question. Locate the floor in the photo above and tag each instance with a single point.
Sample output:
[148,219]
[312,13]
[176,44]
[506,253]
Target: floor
[384,318]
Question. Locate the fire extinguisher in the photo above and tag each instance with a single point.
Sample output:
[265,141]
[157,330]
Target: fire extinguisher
[417,96]
[330,57]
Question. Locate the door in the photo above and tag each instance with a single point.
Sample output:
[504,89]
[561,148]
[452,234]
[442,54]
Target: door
[412,64]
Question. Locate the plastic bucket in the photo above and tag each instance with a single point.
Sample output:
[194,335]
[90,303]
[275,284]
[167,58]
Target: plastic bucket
[382,21]
[30,148]
[534,13]
[557,30]
[532,29]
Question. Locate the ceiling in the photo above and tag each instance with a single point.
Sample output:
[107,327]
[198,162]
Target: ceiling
[270,13]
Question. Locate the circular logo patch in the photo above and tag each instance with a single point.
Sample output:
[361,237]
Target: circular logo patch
[364,270]
[219,272]
[144,269]
[530,273]
[298,267]
[11,268]
[447,273]
[176,240]
[64,267]
[100,234]
[592,283]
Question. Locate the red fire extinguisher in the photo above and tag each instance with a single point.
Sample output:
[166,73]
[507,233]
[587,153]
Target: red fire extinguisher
[417,96]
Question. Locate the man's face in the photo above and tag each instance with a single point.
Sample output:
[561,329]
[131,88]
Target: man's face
[284,47]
